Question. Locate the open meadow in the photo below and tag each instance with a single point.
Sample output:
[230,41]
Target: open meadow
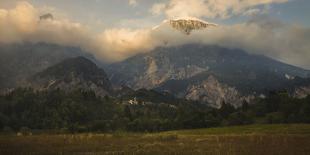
[239,140]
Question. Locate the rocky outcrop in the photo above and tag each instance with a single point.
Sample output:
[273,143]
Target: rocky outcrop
[302,92]
[213,92]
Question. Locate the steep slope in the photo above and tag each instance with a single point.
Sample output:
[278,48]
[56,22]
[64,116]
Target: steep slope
[179,70]
[73,73]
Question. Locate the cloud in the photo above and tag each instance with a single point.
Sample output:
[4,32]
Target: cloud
[209,8]
[119,44]
[252,12]
[133,3]
[21,20]
[22,24]
[158,8]
[260,35]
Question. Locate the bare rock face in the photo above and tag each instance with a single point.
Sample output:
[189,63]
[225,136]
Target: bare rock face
[213,92]
[187,25]
[161,70]
[302,92]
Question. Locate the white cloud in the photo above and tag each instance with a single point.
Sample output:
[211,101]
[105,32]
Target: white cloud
[20,20]
[119,44]
[252,12]
[133,3]
[210,8]
[137,23]
[158,8]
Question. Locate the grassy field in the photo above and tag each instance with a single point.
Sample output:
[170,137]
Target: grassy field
[239,140]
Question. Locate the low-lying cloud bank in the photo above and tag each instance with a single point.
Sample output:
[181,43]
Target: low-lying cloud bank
[261,35]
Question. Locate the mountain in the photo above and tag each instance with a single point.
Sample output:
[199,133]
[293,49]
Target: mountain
[209,73]
[47,16]
[73,73]
[20,61]
[186,24]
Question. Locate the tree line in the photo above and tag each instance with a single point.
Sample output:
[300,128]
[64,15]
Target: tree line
[83,111]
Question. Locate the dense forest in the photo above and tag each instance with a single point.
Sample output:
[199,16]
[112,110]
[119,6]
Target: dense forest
[83,111]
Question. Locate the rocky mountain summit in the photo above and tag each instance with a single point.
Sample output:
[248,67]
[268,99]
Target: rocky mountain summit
[187,25]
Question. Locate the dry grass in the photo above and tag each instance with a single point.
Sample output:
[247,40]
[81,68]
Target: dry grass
[294,139]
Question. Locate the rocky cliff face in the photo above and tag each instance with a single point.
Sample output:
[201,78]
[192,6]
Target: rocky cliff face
[213,92]
[158,72]
[302,92]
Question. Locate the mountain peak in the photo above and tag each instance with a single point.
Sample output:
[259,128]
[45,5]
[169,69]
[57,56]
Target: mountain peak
[47,16]
[188,24]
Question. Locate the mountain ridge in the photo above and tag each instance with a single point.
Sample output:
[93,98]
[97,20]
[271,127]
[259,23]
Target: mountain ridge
[233,70]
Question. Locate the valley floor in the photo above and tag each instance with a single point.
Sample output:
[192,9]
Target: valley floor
[253,139]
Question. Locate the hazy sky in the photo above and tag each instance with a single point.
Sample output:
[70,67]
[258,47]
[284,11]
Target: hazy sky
[114,30]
